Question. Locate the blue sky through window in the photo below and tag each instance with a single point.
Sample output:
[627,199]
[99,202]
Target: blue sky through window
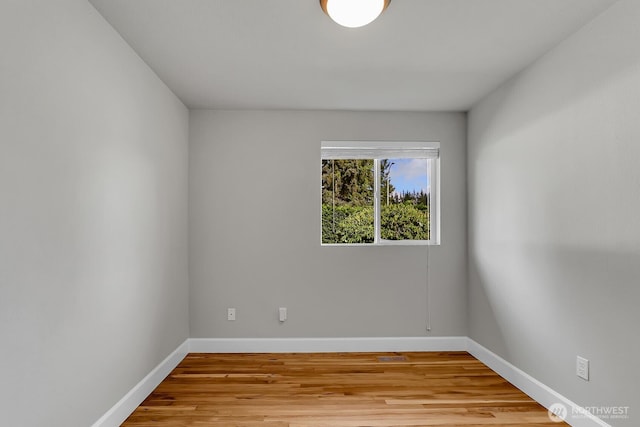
[409,175]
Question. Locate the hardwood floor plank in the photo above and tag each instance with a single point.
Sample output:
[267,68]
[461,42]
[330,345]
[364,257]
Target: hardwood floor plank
[336,390]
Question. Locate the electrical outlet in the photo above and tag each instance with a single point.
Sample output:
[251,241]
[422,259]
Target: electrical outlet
[582,368]
[231,314]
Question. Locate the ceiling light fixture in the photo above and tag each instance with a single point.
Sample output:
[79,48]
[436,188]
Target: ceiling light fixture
[354,13]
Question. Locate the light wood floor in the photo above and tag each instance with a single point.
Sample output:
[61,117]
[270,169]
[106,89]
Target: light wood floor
[336,390]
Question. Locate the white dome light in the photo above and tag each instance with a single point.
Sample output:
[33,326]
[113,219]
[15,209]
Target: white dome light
[354,13]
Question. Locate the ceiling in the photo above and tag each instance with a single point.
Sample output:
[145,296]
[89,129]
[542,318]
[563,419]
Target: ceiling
[420,55]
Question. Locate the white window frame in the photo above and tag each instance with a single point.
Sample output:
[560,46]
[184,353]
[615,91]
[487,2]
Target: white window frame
[376,151]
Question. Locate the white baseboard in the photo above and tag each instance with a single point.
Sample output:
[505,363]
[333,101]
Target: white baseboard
[115,416]
[576,415]
[325,345]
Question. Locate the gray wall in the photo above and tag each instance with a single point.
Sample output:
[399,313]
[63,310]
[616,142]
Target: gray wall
[554,224]
[255,231]
[93,215]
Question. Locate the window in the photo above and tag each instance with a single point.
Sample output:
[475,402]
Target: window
[380,193]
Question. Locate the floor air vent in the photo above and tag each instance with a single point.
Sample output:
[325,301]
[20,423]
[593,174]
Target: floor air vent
[392,359]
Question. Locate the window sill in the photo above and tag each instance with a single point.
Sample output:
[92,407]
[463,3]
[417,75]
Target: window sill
[384,243]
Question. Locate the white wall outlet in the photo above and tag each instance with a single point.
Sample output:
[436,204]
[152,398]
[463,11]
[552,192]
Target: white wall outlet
[231,314]
[582,368]
[282,311]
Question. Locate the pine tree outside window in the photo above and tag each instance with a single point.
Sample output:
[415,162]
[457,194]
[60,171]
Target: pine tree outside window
[380,193]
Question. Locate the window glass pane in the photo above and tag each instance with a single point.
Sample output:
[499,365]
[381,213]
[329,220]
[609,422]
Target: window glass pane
[347,201]
[404,210]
